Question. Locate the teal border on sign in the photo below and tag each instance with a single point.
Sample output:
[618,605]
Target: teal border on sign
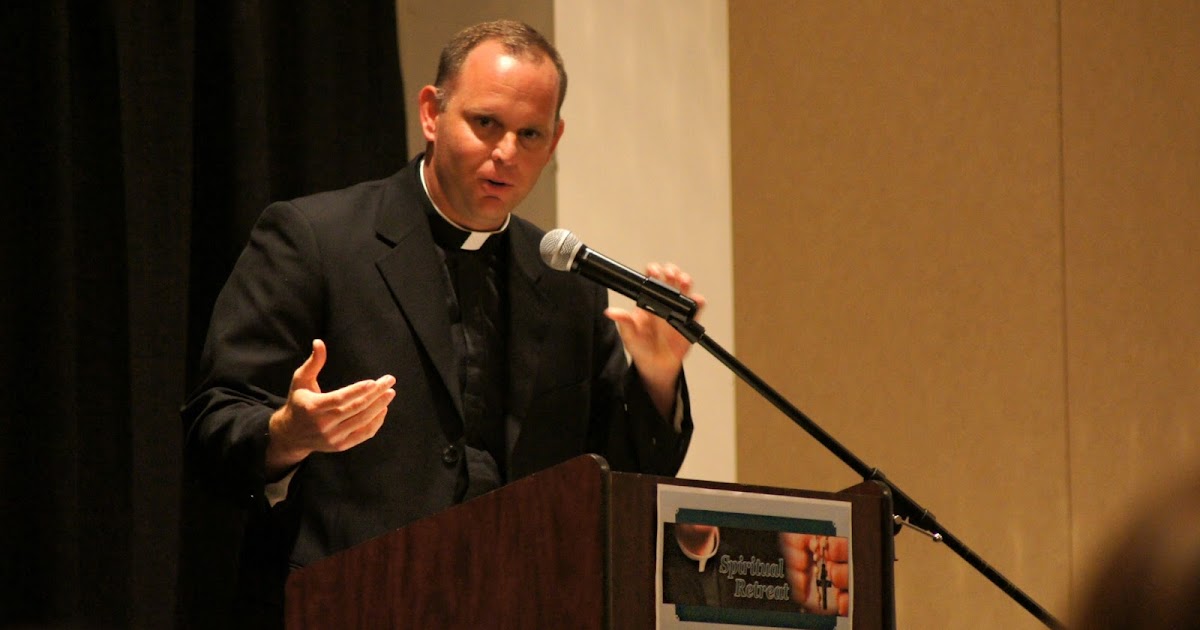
[761,618]
[756,521]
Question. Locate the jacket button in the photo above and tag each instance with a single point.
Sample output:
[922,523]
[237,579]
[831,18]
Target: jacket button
[451,454]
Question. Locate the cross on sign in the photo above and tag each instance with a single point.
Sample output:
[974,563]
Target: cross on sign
[823,583]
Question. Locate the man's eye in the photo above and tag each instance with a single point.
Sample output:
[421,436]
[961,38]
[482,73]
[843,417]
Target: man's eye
[484,121]
[531,134]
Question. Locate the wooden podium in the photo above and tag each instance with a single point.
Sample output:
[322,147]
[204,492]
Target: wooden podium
[573,546]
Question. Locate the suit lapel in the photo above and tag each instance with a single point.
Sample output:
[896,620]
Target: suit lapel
[416,276]
[529,314]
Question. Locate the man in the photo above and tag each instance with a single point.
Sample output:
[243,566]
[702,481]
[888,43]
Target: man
[481,364]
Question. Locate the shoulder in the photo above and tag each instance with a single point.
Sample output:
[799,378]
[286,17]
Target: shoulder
[568,290]
[360,213]
[362,201]
[526,229]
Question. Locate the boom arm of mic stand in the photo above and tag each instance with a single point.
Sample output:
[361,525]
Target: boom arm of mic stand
[904,505]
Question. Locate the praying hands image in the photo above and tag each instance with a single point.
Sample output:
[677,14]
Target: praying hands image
[819,572]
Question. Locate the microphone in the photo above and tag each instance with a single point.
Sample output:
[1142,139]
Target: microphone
[563,251]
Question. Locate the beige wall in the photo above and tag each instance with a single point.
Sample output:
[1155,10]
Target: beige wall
[644,169]
[965,242]
[1131,212]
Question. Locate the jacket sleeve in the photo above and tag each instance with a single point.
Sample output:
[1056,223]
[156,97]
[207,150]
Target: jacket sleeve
[261,330]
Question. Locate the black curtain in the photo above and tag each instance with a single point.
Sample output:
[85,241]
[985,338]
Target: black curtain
[141,139]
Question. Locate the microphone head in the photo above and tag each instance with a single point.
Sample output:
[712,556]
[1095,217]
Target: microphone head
[559,248]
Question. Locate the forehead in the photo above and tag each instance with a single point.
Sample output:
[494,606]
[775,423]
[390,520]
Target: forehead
[491,76]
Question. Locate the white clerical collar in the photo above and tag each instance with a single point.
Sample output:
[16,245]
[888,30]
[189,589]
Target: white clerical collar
[475,239]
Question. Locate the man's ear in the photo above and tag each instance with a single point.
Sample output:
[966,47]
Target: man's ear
[429,108]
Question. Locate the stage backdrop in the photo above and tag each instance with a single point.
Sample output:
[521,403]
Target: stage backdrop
[142,139]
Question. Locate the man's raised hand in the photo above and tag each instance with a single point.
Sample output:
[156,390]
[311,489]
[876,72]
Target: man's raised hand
[312,421]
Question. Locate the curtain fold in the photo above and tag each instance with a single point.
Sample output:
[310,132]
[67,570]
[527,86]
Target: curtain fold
[142,139]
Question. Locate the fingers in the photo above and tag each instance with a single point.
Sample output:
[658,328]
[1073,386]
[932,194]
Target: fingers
[638,329]
[338,420]
[363,421]
[671,274]
[797,549]
[839,574]
[366,431]
[620,316]
[344,411]
[799,563]
[839,549]
[668,273]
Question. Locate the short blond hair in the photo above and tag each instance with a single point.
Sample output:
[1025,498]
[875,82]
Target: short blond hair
[518,38]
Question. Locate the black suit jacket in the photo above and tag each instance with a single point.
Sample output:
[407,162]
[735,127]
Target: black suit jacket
[359,268]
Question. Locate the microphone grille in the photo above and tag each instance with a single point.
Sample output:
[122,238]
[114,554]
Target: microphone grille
[558,249]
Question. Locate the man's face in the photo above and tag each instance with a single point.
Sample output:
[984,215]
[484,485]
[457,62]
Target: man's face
[496,133]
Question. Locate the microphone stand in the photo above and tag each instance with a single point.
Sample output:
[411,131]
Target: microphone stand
[906,510]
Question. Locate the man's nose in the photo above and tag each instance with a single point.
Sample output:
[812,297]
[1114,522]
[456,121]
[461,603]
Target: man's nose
[506,149]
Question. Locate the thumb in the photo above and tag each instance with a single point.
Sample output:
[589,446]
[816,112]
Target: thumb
[305,376]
